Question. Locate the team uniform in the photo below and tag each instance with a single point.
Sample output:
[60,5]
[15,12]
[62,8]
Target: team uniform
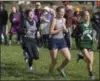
[57,40]
[29,42]
[86,36]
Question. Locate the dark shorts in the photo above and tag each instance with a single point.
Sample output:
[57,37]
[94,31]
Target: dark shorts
[30,46]
[57,44]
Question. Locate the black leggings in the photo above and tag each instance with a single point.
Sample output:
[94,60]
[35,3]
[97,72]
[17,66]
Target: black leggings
[30,46]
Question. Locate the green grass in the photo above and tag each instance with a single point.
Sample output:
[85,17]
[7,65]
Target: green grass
[13,66]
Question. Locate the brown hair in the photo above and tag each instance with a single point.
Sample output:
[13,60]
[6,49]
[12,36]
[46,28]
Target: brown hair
[27,12]
[58,8]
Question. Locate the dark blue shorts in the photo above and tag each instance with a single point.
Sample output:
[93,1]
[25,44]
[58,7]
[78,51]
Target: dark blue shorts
[57,44]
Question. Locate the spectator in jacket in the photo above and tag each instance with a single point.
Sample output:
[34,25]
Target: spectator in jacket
[45,21]
[15,21]
[3,22]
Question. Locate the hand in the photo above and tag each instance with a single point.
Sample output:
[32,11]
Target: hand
[14,19]
[38,34]
[65,29]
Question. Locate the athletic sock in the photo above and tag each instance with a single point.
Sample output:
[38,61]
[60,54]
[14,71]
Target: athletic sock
[62,72]
[91,76]
[91,73]
[30,62]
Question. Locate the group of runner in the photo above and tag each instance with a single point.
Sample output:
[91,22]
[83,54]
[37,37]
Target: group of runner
[52,27]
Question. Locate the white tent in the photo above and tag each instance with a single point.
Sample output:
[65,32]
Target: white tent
[23,2]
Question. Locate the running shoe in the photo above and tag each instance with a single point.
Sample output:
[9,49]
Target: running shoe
[30,69]
[92,77]
[62,72]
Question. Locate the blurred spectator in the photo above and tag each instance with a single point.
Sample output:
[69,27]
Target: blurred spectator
[45,25]
[69,22]
[37,12]
[3,22]
[15,21]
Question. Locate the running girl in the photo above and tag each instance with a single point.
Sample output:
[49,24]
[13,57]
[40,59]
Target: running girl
[86,42]
[58,42]
[29,39]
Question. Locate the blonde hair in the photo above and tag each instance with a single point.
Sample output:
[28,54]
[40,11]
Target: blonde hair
[86,13]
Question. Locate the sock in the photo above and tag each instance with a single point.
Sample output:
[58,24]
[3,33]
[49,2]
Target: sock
[30,62]
[91,73]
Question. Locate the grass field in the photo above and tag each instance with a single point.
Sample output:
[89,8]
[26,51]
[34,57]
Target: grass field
[13,66]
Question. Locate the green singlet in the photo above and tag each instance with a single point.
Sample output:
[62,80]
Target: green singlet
[87,36]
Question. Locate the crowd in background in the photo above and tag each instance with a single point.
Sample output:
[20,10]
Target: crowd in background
[72,16]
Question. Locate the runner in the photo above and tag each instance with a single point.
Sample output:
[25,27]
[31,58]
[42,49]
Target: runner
[86,42]
[58,42]
[29,39]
